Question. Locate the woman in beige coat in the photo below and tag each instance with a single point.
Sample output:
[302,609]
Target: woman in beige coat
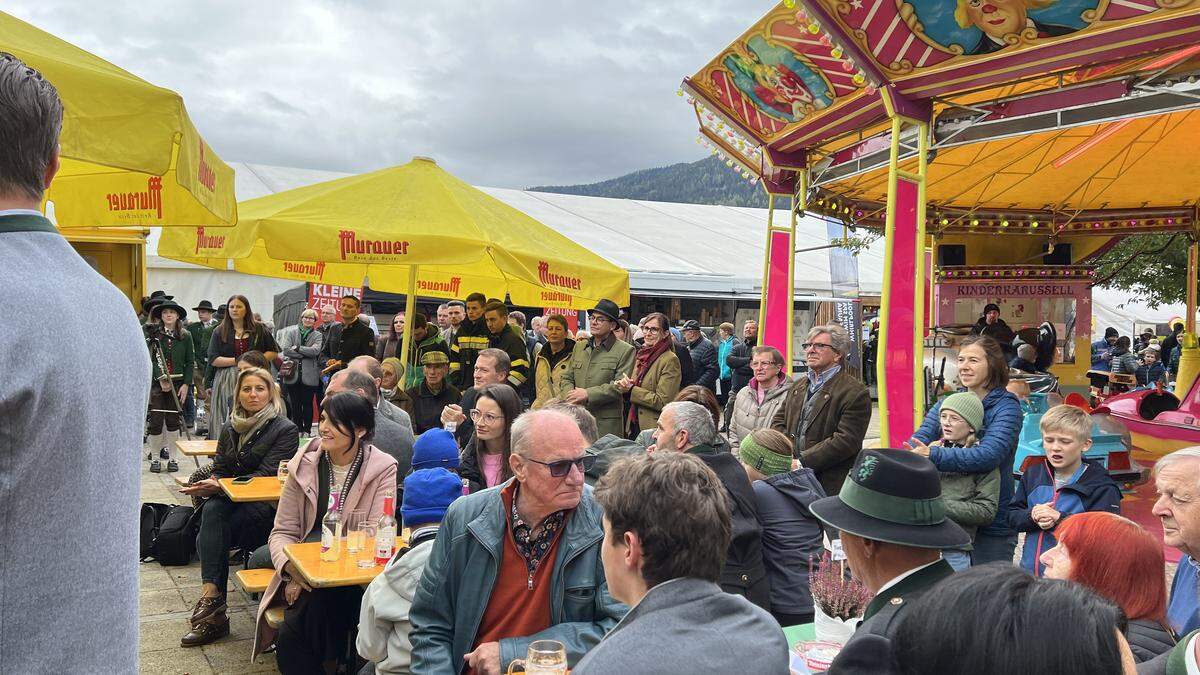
[553,359]
[317,622]
[655,380]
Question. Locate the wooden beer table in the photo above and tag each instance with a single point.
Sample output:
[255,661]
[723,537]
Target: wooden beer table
[259,489]
[197,448]
[306,559]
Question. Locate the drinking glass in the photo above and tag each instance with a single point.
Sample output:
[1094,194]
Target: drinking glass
[367,529]
[354,539]
[283,472]
[545,657]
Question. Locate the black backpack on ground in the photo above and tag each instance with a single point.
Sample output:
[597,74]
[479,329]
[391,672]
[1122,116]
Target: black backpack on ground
[168,533]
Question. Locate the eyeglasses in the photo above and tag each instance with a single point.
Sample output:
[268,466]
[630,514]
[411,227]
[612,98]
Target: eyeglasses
[478,416]
[651,329]
[600,318]
[563,466]
[815,345]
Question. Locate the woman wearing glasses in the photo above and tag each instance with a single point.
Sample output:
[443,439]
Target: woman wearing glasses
[485,458]
[656,377]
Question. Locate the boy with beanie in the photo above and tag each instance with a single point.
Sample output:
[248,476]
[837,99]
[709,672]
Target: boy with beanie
[790,533]
[384,625]
[971,498]
[435,449]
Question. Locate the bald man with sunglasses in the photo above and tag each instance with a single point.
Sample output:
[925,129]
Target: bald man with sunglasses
[517,562]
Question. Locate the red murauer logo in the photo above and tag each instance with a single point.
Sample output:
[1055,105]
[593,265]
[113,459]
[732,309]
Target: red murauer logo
[308,269]
[351,245]
[449,288]
[208,177]
[149,200]
[561,280]
[208,241]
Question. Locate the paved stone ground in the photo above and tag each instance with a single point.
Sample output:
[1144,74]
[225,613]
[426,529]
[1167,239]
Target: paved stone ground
[167,595]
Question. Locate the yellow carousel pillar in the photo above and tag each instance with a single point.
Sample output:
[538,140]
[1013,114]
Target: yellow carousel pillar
[901,361]
[1189,354]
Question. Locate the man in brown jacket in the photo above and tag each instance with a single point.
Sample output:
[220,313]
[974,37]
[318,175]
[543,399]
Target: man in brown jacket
[826,413]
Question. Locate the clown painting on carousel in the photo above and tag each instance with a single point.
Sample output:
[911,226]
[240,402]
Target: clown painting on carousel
[985,26]
[778,82]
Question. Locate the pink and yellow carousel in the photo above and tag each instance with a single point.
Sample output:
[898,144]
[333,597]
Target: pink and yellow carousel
[1000,147]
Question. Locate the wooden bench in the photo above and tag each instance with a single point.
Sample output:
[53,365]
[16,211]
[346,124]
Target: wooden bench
[254,581]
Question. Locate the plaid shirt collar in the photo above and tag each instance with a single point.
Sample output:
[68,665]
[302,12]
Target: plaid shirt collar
[534,545]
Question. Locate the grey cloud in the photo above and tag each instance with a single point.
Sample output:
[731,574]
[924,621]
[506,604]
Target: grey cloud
[507,93]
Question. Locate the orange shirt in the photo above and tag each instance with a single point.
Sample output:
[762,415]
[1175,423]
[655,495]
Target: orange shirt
[520,602]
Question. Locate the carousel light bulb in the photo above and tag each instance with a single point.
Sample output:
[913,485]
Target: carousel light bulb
[679,92]
[859,78]
[814,27]
[790,4]
[1034,224]
[974,222]
[825,40]
[945,221]
[848,66]
[836,52]
[871,90]
[801,16]
[1004,223]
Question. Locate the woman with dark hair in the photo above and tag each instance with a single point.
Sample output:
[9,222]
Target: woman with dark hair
[389,346]
[1016,623]
[237,334]
[1121,561]
[552,360]
[252,359]
[341,460]
[656,377]
[983,371]
[257,437]
[622,332]
[178,357]
[485,458]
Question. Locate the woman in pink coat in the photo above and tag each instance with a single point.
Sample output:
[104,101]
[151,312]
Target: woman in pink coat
[317,622]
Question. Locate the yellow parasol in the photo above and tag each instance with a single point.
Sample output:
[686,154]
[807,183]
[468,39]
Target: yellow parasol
[130,154]
[413,229]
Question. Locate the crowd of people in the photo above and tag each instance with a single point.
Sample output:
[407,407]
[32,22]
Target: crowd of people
[1151,361]
[607,500]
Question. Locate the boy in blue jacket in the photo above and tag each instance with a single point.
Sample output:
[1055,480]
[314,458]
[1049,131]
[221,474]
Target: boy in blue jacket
[1063,485]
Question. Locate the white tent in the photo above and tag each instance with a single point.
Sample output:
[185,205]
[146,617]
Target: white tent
[670,249]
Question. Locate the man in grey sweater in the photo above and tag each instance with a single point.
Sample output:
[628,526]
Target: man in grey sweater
[70,446]
[666,529]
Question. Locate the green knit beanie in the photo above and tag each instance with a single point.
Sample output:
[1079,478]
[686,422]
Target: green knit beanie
[764,460]
[968,406]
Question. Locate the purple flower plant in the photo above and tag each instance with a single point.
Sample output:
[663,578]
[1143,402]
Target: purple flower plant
[837,594]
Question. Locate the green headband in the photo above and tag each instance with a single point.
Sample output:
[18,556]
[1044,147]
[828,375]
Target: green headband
[899,510]
[763,460]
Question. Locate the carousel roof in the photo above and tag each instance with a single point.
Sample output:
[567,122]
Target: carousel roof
[1063,113]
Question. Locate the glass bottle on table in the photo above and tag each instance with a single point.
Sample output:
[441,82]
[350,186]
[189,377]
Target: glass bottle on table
[385,533]
[331,529]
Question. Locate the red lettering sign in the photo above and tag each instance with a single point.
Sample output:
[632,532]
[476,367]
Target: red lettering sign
[213,242]
[205,173]
[321,296]
[560,280]
[350,244]
[441,289]
[149,200]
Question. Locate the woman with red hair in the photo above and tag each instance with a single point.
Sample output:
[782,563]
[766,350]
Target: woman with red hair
[1118,559]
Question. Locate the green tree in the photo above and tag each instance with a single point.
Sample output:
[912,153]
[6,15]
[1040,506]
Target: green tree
[1153,268]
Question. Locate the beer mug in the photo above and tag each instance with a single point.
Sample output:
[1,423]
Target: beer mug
[545,657]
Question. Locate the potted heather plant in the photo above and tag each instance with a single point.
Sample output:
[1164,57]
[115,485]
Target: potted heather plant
[839,600]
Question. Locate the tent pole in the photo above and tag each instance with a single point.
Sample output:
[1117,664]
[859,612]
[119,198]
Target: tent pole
[1193,263]
[410,303]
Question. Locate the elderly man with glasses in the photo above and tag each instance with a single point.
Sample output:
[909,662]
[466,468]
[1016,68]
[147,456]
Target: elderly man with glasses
[596,365]
[826,413]
[518,562]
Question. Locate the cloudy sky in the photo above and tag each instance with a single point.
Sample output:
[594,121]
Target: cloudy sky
[505,93]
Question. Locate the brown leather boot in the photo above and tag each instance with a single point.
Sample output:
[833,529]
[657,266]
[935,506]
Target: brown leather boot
[211,629]
[206,607]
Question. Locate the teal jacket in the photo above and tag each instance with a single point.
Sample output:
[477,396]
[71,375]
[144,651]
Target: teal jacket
[458,581]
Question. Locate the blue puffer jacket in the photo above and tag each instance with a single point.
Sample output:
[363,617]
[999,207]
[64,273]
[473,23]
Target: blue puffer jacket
[1090,489]
[1002,419]
[462,570]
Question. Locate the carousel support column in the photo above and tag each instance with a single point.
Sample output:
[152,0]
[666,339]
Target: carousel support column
[775,308]
[900,366]
[1189,354]
[410,304]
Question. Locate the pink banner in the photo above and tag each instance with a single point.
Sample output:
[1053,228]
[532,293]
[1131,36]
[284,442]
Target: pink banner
[779,293]
[901,364]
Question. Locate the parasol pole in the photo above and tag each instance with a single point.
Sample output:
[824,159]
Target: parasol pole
[1193,268]
[410,303]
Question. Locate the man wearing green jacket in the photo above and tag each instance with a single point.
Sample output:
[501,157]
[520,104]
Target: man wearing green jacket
[201,332]
[518,562]
[595,365]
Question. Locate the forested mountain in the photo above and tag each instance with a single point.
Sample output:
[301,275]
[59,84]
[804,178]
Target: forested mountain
[707,181]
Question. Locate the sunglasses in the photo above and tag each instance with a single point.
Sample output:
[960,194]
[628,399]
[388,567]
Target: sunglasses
[563,466]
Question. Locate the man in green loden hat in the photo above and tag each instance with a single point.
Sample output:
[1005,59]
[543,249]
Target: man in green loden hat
[893,526]
[596,364]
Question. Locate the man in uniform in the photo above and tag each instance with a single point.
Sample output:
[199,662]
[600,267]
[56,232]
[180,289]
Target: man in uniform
[893,526]
[596,364]
[201,332]
[469,339]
